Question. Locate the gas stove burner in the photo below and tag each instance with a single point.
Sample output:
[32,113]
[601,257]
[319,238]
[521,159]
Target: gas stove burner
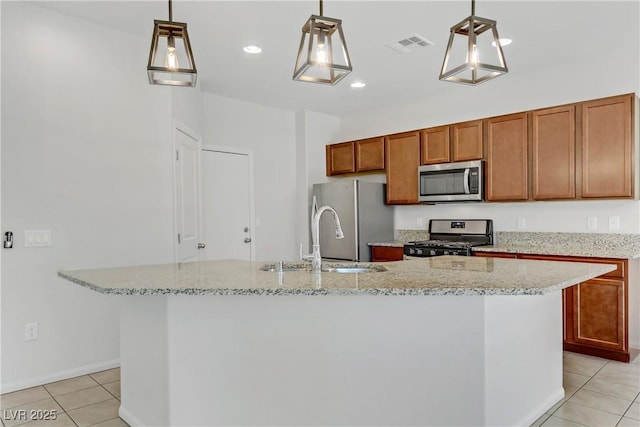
[452,237]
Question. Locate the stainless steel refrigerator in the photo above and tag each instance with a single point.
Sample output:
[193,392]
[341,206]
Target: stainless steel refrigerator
[363,214]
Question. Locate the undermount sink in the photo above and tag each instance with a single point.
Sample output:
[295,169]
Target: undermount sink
[326,268]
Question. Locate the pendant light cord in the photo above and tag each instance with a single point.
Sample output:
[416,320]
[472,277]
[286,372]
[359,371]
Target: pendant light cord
[473,7]
[321,13]
[170,12]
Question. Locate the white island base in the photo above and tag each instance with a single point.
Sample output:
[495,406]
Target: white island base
[362,360]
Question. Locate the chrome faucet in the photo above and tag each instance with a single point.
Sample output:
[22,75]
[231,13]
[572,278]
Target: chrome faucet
[316,258]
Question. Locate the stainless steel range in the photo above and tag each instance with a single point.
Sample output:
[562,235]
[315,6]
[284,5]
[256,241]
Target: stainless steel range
[452,237]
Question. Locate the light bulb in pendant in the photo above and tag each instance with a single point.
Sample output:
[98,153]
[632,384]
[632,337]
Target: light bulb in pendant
[171,59]
[475,57]
[321,54]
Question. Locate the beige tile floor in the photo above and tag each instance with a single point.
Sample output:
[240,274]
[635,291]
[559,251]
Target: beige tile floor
[599,393]
[88,400]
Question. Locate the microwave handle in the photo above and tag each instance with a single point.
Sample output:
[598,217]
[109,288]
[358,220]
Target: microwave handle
[466,181]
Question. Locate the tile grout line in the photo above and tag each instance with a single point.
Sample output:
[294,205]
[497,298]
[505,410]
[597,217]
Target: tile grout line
[64,411]
[580,388]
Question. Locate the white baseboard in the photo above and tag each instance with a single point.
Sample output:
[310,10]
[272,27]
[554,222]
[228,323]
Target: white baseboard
[57,376]
[129,418]
[543,408]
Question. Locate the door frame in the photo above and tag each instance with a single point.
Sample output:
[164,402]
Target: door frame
[180,127]
[252,208]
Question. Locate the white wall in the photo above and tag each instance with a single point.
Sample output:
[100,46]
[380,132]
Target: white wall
[605,73]
[313,132]
[270,133]
[86,153]
[560,216]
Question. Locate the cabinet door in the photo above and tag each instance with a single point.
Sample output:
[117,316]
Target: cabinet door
[386,253]
[467,141]
[340,158]
[553,153]
[507,168]
[370,154]
[607,147]
[598,313]
[402,153]
[434,145]
[567,315]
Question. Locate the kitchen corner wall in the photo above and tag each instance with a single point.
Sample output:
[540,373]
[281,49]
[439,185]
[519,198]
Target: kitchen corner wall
[87,154]
[313,132]
[270,134]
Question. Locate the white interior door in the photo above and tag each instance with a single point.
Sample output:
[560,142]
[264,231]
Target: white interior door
[187,193]
[227,204]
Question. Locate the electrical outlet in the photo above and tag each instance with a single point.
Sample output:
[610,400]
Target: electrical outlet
[614,223]
[31,331]
[592,223]
[522,222]
[420,222]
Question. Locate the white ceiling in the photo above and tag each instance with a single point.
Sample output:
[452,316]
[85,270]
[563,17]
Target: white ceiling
[543,33]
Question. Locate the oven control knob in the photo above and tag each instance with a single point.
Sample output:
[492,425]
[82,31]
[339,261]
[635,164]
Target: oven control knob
[432,252]
[412,251]
[418,251]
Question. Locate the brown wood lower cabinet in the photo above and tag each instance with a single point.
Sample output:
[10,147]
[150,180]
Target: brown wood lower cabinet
[386,253]
[595,312]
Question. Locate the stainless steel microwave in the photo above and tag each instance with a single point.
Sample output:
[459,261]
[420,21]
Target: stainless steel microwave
[451,182]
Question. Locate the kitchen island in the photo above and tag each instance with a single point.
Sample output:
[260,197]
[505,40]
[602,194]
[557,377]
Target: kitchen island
[443,341]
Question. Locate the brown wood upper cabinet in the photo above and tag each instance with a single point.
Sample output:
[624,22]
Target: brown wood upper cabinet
[341,158]
[507,158]
[370,154]
[455,143]
[466,141]
[355,156]
[434,145]
[607,147]
[553,142]
[402,154]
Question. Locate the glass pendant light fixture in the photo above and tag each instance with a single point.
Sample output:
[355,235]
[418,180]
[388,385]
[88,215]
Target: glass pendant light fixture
[171,59]
[470,43]
[323,56]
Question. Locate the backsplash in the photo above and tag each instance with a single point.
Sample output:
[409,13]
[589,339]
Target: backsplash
[542,240]
[410,235]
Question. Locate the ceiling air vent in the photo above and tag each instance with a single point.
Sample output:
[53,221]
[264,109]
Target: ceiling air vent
[408,44]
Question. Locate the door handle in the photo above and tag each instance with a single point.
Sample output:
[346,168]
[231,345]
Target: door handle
[247,239]
[201,246]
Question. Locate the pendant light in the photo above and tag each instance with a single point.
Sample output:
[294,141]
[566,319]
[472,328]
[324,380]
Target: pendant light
[171,59]
[323,56]
[474,51]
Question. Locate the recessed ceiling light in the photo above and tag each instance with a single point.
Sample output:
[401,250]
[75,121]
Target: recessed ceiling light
[252,49]
[358,84]
[503,42]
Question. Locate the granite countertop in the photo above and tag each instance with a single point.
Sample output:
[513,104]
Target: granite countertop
[445,275]
[391,244]
[621,246]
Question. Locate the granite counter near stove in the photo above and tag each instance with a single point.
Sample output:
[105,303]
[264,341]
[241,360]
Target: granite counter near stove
[597,245]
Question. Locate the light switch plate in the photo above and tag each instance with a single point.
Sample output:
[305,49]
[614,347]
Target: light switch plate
[592,223]
[37,238]
[522,222]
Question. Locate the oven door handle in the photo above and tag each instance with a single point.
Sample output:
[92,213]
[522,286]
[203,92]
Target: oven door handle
[466,181]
